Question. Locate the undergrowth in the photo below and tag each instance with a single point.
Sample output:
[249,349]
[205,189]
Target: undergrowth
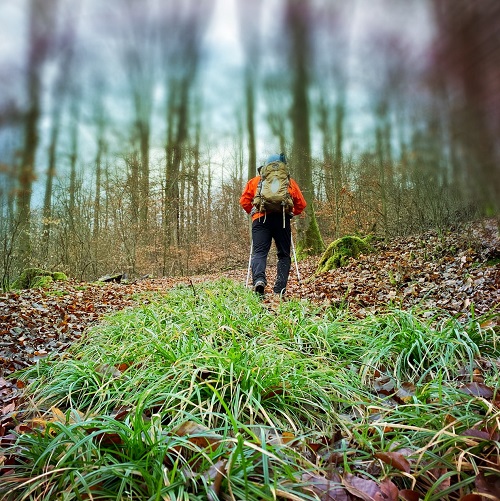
[204,393]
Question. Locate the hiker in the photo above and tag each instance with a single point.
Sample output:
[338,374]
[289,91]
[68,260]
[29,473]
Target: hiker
[272,198]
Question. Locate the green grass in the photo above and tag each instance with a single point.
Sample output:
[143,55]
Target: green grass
[274,401]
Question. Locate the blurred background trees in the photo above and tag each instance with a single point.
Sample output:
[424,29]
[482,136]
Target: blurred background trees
[128,128]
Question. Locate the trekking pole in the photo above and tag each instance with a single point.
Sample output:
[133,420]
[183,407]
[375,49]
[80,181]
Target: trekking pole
[295,257]
[249,263]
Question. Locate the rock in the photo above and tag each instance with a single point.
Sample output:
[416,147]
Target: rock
[36,277]
[112,278]
[340,251]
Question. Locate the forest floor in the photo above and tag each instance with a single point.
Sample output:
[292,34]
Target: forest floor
[456,272]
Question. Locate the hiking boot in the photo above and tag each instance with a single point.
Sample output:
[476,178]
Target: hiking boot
[280,294]
[259,287]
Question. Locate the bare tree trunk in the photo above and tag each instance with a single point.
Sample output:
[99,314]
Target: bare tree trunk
[66,50]
[170,182]
[298,17]
[250,106]
[196,200]
[73,155]
[249,16]
[41,16]
[51,172]
[467,62]
[382,177]
[184,210]
[184,66]
[145,134]
[133,164]
[178,152]
[97,199]
[339,138]
[141,25]
[208,226]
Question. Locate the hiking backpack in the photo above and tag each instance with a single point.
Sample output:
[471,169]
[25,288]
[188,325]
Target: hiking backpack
[272,193]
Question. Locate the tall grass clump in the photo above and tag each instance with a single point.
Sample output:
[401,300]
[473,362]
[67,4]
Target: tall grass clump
[205,393]
[417,349]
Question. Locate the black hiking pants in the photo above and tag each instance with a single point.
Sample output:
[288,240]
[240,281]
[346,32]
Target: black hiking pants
[264,231]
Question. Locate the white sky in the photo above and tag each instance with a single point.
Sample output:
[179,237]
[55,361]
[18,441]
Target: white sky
[12,29]
[221,80]
[223,34]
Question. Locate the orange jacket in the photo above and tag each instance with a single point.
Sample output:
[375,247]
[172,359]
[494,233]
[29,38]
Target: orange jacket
[299,203]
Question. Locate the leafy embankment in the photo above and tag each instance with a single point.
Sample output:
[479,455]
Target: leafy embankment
[206,393]
[456,271]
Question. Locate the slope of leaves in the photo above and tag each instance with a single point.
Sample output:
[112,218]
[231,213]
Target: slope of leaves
[457,272]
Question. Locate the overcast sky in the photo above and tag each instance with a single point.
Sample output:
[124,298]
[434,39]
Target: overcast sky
[364,19]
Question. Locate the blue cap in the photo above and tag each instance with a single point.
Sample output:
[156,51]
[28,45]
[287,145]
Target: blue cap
[276,158]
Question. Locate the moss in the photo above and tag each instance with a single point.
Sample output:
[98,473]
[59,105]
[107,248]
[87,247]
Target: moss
[59,275]
[44,281]
[56,293]
[28,277]
[311,243]
[37,277]
[493,262]
[340,251]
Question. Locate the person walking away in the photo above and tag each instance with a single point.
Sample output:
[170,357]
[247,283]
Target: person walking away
[272,198]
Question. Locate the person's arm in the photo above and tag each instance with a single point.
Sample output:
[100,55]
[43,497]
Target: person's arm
[246,200]
[299,202]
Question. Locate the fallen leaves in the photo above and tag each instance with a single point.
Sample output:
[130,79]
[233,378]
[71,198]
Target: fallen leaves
[349,487]
[199,435]
[394,459]
[448,271]
[37,322]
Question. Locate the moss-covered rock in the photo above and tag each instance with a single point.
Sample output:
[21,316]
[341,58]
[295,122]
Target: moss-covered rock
[59,276]
[340,251]
[37,277]
[44,281]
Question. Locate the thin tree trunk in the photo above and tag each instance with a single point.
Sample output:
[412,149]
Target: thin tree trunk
[169,180]
[250,104]
[97,199]
[309,237]
[73,156]
[249,22]
[144,176]
[379,142]
[51,172]
[133,162]
[66,46]
[178,151]
[196,201]
[41,14]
